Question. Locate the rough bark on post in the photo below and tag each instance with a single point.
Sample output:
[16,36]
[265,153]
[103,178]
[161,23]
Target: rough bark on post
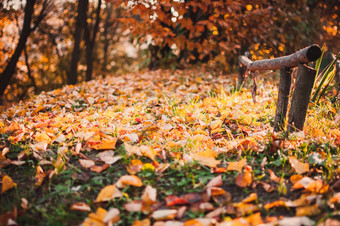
[241,75]
[283,98]
[308,54]
[299,104]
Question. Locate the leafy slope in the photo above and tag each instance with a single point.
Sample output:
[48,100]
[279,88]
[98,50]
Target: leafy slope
[171,147]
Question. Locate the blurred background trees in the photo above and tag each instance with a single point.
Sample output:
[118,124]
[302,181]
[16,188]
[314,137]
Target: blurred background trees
[66,42]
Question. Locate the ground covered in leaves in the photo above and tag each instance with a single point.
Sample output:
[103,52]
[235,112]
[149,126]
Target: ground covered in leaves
[165,148]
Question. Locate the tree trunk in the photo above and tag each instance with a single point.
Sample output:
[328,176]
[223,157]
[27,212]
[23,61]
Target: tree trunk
[283,98]
[299,105]
[90,42]
[108,10]
[29,72]
[80,23]
[8,72]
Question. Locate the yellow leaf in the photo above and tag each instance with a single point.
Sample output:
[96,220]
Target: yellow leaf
[107,193]
[148,152]
[43,137]
[7,183]
[129,180]
[299,167]
[237,166]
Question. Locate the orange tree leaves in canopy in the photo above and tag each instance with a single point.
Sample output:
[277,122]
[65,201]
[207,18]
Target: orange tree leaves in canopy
[199,30]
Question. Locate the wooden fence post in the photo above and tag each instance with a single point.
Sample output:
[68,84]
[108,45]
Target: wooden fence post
[283,98]
[241,75]
[299,104]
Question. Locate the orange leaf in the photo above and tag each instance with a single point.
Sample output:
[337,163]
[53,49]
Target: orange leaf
[275,204]
[99,169]
[129,180]
[308,210]
[7,183]
[273,177]
[252,197]
[135,166]
[244,179]
[295,178]
[104,144]
[81,206]
[96,218]
[107,193]
[237,166]
[299,167]
[255,219]
[317,186]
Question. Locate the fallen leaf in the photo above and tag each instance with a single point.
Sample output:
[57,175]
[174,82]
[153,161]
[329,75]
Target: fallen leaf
[207,161]
[104,144]
[255,219]
[135,166]
[317,186]
[303,183]
[172,200]
[81,206]
[244,179]
[129,180]
[273,177]
[86,163]
[96,218]
[145,222]
[305,221]
[7,184]
[108,157]
[112,216]
[246,208]
[149,193]
[237,166]
[251,198]
[107,193]
[278,203]
[134,206]
[215,182]
[295,178]
[307,210]
[99,169]
[165,214]
[298,166]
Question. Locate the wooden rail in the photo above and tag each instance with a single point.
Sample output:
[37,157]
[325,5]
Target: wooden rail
[303,85]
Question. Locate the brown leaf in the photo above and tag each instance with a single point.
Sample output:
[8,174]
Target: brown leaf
[81,206]
[215,182]
[298,166]
[99,169]
[273,177]
[86,163]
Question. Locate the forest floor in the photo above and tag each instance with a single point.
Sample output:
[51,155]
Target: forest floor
[166,148]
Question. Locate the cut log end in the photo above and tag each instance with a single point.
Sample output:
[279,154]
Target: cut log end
[313,52]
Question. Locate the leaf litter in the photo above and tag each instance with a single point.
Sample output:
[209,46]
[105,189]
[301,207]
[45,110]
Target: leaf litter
[158,125]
